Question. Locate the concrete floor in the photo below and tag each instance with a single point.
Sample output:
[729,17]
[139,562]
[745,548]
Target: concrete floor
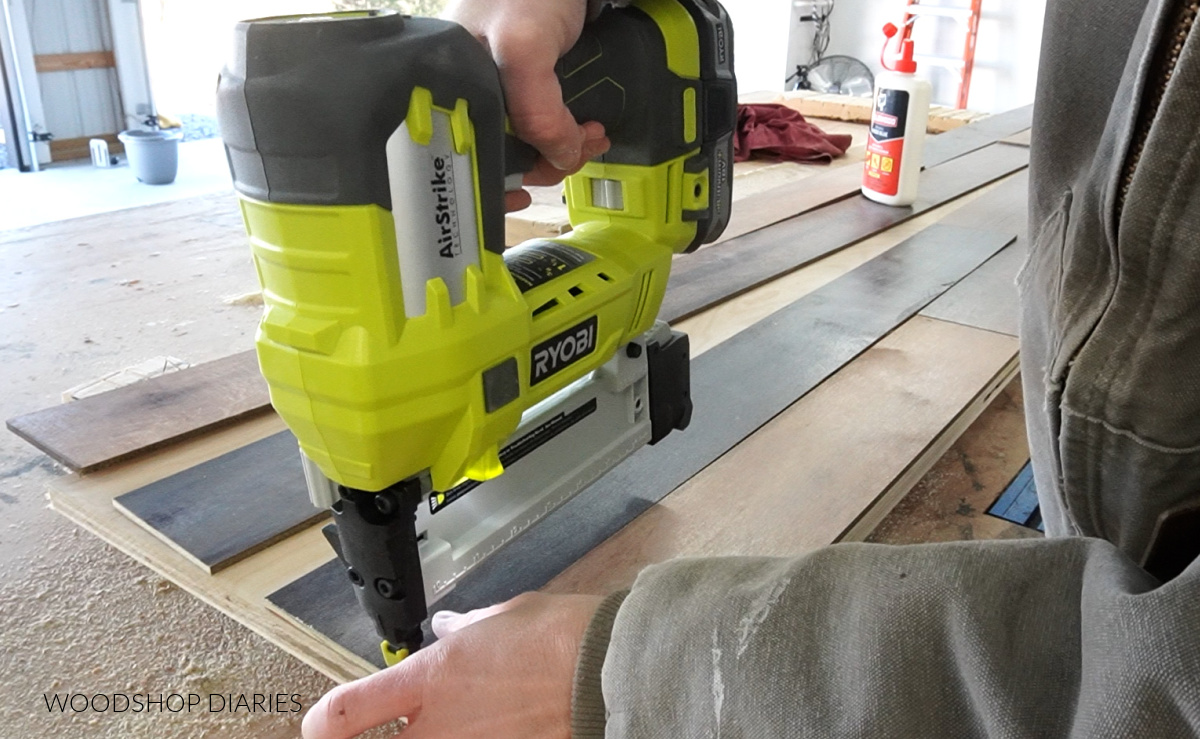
[74,189]
[75,614]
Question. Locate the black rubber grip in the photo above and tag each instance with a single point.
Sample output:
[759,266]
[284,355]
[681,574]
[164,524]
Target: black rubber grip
[306,107]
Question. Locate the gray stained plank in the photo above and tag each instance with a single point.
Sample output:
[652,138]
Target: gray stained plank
[712,276]
[965,139]
[225,509]
[324,601]
[91,433]
[737,387]
[987,298]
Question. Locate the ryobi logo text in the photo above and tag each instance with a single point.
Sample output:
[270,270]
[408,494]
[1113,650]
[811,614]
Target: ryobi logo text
[445,207]
[562,350]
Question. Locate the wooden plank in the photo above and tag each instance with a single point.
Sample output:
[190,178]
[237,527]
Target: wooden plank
[80,148]
[711,276]
[72,62]
[987,298]
[943,148]
[789,200]
[1023,138]
[222,511]
[101,430]
[950,503]
[323,602]
[784,491]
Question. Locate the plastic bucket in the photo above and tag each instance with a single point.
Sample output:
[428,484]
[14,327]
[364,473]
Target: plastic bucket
[153,155]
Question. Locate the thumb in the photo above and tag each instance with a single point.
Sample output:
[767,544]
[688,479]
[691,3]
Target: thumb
[445,623]
[539,116]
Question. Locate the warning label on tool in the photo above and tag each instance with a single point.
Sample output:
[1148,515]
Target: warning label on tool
[885,141]
[522,447]
[537,262]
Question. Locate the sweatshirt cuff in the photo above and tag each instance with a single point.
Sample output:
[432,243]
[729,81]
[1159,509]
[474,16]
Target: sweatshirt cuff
[588,716]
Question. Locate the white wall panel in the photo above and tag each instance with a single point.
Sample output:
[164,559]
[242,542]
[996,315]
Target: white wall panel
[83,102]
[129,48]
[68,26]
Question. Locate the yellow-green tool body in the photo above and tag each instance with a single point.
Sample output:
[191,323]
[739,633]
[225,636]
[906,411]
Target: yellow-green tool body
[402,345]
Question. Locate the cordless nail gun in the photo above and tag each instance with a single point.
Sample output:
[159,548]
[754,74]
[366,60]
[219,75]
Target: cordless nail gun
[412,356]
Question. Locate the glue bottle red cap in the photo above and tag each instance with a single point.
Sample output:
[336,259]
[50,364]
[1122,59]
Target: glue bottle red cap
[905,64]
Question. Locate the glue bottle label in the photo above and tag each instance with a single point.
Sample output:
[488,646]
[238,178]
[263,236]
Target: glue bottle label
[885,141]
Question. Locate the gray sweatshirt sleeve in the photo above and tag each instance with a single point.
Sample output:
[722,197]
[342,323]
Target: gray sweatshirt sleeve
[1049,638]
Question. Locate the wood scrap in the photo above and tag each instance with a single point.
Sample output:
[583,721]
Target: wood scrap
[859,109]
[222,511]
[104,429]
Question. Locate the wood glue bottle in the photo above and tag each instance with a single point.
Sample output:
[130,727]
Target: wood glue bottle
[896,140]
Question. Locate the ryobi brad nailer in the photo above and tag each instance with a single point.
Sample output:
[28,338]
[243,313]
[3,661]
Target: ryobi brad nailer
[412,356]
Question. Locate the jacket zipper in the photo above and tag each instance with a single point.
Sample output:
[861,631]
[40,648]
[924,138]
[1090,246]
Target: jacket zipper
[1161,71]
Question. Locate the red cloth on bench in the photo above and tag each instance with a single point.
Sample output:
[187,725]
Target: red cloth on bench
[777,132]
